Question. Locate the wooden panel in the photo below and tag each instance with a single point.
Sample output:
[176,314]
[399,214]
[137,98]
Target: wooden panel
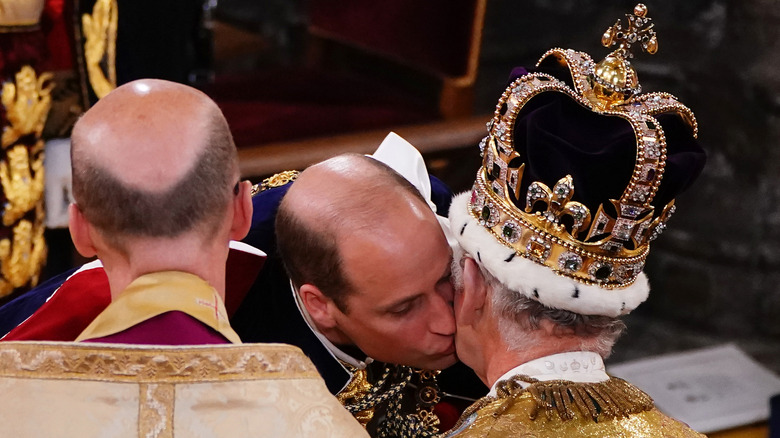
[267,159]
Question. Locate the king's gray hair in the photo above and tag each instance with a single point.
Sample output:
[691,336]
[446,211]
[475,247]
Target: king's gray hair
[520,317]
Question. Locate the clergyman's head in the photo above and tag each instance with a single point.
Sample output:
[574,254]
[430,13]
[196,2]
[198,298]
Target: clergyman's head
[153,159]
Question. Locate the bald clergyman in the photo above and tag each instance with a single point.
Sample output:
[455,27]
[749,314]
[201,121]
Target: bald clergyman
[155,180]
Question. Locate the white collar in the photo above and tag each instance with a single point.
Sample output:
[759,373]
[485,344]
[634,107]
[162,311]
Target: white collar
[335,351]
[574,366]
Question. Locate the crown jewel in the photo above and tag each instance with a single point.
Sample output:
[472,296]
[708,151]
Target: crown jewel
[547,225]
[614,80]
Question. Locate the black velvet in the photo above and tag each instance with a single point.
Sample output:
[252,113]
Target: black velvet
[556,136]
[156,39]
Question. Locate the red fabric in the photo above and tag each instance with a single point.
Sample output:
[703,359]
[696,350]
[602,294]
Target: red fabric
[57,26]
[432,34]
[448,414]
[85,294]
[18,49]
[169,328]
[69,311]
[240,273]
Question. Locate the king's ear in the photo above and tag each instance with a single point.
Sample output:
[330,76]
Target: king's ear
[80,232]
[320,307]
[474,293]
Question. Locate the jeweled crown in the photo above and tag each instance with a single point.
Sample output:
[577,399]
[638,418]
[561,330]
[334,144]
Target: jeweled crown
[547,225]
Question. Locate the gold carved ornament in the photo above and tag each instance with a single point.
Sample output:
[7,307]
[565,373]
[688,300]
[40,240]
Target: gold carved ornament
[100,45]
[27,100]
[21,261]
[27,104]
[22,182]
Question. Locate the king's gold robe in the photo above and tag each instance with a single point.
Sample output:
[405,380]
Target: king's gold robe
[559,408]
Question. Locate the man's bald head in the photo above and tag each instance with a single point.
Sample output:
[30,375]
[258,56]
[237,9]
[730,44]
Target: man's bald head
[346,194]
[154,159]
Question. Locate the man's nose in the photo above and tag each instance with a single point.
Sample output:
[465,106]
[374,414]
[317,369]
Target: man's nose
[442,320]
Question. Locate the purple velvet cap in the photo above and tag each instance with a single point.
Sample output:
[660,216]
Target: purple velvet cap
[556,136]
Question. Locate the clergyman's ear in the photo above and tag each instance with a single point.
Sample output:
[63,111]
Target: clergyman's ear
[242,211]
[474,294]
[319,306]
[80,232]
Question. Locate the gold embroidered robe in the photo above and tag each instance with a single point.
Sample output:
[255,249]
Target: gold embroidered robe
[560,408]
[58,389]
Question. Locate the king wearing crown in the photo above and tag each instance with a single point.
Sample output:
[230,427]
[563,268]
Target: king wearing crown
[579,175]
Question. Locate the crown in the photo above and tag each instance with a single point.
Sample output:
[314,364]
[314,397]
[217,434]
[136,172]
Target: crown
[20,13]
[606,247]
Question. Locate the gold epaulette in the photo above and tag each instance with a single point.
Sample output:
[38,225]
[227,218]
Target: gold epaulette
[276,180]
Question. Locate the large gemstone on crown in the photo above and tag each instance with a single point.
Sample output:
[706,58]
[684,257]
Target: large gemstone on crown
[538,249]
[489,215]
[600,271]
[626,273]
[570,262]
[510,232]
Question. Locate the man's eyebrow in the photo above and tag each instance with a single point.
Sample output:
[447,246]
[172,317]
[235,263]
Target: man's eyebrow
[402,301]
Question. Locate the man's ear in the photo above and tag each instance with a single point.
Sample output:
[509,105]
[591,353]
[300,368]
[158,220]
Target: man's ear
[80,232]
[474,294]
[320,307]
[242,211]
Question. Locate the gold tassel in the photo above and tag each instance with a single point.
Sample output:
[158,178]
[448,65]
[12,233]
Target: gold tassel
[603,400]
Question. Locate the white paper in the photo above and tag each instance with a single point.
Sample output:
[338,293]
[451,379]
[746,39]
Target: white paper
[709,389]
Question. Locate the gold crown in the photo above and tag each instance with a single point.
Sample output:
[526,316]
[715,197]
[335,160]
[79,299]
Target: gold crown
[20,13]
[608,249]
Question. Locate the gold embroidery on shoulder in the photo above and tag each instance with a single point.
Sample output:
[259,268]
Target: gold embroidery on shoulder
[276,180]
